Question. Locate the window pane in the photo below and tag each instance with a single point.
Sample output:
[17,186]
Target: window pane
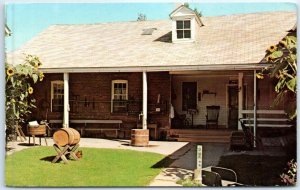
[179,34]
[187,34]
[179,24]
[187,24]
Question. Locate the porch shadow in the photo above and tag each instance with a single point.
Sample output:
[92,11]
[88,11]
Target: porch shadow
[167,161]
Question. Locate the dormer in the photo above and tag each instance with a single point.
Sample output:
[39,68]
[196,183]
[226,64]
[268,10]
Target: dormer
[185,25]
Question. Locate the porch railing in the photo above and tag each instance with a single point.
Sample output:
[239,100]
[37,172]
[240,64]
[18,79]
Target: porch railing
[266,118]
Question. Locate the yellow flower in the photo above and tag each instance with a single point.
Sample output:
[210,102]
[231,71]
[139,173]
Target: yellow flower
[283,43]
[41,76]
[10,72]
[272,48]
[30,90]
[259,75]
[269,58]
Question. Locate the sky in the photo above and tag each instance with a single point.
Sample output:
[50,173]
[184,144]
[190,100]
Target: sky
[28,20]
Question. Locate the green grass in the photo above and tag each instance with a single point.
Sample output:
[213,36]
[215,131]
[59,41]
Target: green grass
[98,167]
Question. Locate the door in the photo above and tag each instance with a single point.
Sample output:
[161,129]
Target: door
[233,107]
[189,95]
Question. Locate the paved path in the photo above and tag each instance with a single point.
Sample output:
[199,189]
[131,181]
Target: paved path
[185,162]
[161,147]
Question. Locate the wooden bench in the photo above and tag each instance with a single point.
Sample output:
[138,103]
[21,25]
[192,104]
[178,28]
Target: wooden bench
[85,122]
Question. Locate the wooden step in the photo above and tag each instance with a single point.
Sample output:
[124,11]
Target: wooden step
[201,132]
[211,140]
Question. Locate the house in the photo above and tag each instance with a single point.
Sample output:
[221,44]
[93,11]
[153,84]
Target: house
[136,72]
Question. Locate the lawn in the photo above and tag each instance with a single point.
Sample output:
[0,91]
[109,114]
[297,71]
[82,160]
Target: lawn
[98,167]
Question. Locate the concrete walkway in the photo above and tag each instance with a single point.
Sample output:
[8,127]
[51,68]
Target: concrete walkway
[185,162]
[161,147]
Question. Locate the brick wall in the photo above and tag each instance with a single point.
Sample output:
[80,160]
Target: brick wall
[90,96]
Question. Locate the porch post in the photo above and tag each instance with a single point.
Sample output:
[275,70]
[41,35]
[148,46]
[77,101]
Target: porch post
[66,101]
[240,98]
[145,100]
[254,106]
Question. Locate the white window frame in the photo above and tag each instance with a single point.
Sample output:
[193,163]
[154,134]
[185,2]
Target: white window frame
[113,92]
[184,29]
[56,82]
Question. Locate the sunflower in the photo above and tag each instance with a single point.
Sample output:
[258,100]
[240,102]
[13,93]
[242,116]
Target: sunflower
[10,72]
[36,64]
[41,76]
[259,75]
[272,48]
[269,58]
[283,43]
[30,90]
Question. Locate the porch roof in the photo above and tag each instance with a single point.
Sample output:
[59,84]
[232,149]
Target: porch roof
[232,42]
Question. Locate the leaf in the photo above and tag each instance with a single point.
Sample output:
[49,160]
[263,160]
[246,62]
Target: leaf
[291,84]
[35,78]
[276,54]
[292,39]
[278,67]
[280,84]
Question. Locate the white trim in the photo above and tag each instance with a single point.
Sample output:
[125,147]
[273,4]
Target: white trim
[66,101]
[156,68]
[264,112]
[112,91]
[192,30]
[145,100]
[52,91]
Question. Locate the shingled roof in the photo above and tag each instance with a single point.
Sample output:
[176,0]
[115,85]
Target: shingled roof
[232,42]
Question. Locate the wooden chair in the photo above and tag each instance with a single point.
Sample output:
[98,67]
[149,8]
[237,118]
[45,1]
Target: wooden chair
[212,115]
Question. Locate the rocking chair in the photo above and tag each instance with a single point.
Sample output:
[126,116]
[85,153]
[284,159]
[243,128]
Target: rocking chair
[212,115]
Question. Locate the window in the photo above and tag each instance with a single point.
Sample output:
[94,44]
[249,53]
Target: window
[183,29]
[57,96]
[119,96]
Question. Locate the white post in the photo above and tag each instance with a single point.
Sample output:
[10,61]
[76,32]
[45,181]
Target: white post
[66,101]
[240,97]
[198,171]
[145,100]
[254,107]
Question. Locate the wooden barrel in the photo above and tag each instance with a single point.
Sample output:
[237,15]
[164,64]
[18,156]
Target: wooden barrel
[40,130]
[66,136]
[139,137]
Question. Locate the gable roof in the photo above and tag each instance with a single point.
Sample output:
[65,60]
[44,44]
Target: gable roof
[182,10]
[226,42]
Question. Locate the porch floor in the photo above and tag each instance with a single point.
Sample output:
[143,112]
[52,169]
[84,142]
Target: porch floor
[201,135]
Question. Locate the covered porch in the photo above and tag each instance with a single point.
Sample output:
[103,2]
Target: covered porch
[227,98]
